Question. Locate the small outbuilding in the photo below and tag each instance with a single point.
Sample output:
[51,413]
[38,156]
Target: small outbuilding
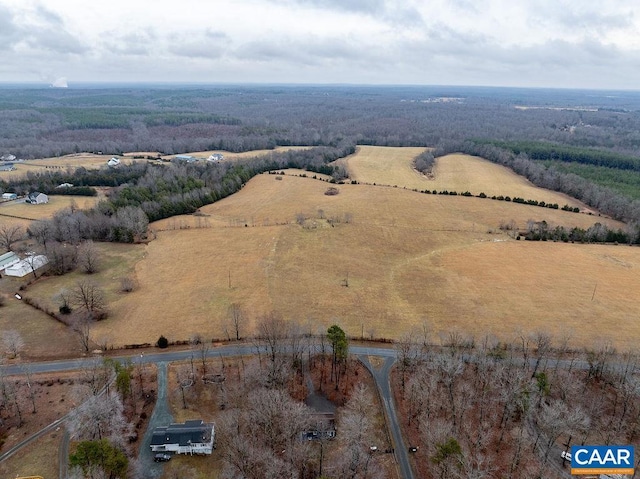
[113,162]
[37,198]
[9,196]
[191,437]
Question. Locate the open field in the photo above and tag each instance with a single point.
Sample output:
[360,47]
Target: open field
[457,172]
[407,257]
[283,245]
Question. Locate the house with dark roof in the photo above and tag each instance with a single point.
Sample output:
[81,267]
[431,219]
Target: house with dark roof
[37,198]
[191,437]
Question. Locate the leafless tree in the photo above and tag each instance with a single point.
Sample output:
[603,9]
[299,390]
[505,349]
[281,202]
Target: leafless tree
[356,435]
[42,231]
[88,257]
[542,342]
[237,318]
[12,343]
[10,234]
[185,379]
[81,325]
[100,417]
[89,297]
[26,369]
[273,333]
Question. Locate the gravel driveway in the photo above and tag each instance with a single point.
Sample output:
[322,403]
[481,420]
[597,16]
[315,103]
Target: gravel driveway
[161,416]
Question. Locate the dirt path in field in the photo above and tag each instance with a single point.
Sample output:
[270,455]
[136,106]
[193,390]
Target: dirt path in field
[161,416]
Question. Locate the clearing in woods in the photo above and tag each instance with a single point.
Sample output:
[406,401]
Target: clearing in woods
[376,260]
[456,172]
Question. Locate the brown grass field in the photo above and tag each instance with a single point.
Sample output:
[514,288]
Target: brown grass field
[456,172]
[408,258]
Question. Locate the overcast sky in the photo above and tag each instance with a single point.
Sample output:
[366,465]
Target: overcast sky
[541,43]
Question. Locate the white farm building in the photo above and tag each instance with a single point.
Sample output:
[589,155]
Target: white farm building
[26,266]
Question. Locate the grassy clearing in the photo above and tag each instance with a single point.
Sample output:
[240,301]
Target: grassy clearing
[457,172]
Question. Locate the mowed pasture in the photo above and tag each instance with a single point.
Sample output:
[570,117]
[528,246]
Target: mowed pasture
[392,260]
[455,172]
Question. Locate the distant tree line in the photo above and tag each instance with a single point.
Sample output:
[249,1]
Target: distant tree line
[605,200]
[598,233]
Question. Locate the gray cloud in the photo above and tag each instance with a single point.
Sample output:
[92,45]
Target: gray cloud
[10,33]
[208,44]
[136,43]
[45,32]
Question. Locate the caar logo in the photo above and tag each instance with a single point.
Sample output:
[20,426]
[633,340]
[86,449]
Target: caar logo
[602,460]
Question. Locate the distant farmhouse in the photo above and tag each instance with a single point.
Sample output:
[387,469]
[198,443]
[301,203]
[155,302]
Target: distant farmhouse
[65,185]
[7,157]
[37,198]
[7,167]
[191,437]
[28,265]
[9,196]
[216,157]
[113,162]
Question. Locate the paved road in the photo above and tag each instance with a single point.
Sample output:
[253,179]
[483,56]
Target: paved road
[382,379]
[161,416]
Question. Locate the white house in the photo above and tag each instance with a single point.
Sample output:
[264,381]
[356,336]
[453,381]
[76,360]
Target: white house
[216,157]
[9,196]
[37,198]
[113,162]
[26,266]
[65,185]
[191,437]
